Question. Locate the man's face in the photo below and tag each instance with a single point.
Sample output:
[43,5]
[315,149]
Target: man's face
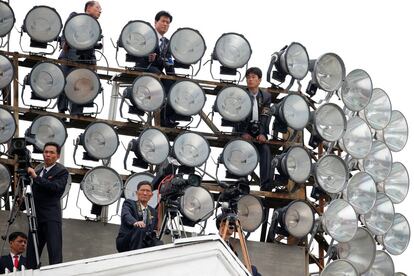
[162,25]
[95,10]
[253,82]
[144,194]
[50,155]
[18,246]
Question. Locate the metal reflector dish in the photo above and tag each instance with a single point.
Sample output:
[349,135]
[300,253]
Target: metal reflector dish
[340,220]
[42,23]
[82,32]
[7,125]
[396,185]
[82,86]
[153,146]
[100,140]
[232,50]
[186,98]
[234,104]
[382,266]
[360,251]
[328,72]
[297,164]
[191,149]
[102,185]
[395,135]
[6,71]
[329,122]
[331,173]
[378,163]
[356,91]
[47,80]
[357,140]
[380,218]
[294,111]
[339,268]
[197,204]
[396,240]
[131,183]
[298,218]
[7,18]
[240,157]
[47,129]
[5,179]
[378,111]
[250,212]
[147,93]
[295,60]
[361,192]
[138,38]
[187,45]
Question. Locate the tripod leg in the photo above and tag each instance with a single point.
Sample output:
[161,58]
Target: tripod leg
[243,246]
[163,226]
[31,216]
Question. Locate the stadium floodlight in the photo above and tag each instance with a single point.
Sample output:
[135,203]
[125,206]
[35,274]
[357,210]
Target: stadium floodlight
[395,134]
[234,104]
[396,240]
[186,98]
[196,203]
[7,19]
[5,179]
[191,149]
[47,80]
[357,140]
[147,93]
[292,111]
[383,265]
[340,220]
[378,163]
[396,185]
[138,38]
[82,32]
[378,112]
[339,267]
[380,218]
[331,173]
[356,91]
[240,157]
[82,86]
[232,50]
[100,140]
[6,71]
[250,212]
[361,192]
[7,125]
[46,129]
[187,46]
[153,146]
[295,164]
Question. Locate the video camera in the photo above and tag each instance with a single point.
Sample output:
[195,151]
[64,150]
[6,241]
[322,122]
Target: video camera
[232,193]
[18,147]
[172,186]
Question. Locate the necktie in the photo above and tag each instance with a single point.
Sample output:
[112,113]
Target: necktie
[144,215]
[162,45]
[255,111]
[16,261]
[44,173]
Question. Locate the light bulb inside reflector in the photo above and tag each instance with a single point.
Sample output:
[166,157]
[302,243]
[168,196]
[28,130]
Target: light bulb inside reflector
[340,220]
[396,185]
[356,91]
[294,111]
[5,179]
[7,18]
[47,80]
[339,268]
[234,104]
[186,98]
[380,218]
[187,45]
[329,122]
[298,219]
[295,61]
[232,50]
[196,204]
[378,163]
[7,125]
[240,157]
[378,111]
[297,164]
[100,140]
[361,192]
[328,72]
[331,173]
[147,93]
[250,212]
[82,86]
[6,71]
[383,265]
[191,149]
[395,135]
[357,140]
[48,129]
[396,240]
[138,38]
[42,23]
[153,146]
[82,32]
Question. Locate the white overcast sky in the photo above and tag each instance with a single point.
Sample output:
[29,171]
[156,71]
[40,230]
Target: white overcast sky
[372,35]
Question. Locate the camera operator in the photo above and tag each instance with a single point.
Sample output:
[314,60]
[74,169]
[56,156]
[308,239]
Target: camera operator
[256,126]
[48,186]
[138,221]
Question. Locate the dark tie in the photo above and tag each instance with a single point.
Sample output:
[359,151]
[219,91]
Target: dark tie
[44,173]
[144,215]
[163,44]
[16,261]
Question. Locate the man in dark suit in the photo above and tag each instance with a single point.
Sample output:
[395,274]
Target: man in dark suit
[138,221]
[14,260]
[256,126]
[48,186]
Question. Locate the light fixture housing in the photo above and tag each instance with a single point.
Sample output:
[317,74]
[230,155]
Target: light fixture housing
[250,212]
[339,267]
[378,163]
[396,185]
[186,98]
[357,140]
[102,185]
[340,220]
[397,238]
[82,32]
[153,146]
[328,72]
[82,86]
[187,46]
[356,91]
[196,204]
[7,19]
[395,134]
[329,122]
[361,192]
[138,38]
[380,218]
[298,218]
[7,125]
[296,164]
[292,60]
[378,112]
[47,80]
[292,111]
[147,93]
[100,140]
[232,50]
[43,24]
[240,157]
[5,179]
[6,71]
[234,104]
[331,173]
[191,149]
[46,129]
[383,265]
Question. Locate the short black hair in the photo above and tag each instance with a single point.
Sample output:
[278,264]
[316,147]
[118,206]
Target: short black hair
[254,70]
[142,183]
[89,4]
[58,148]
[17,234]
[163,13]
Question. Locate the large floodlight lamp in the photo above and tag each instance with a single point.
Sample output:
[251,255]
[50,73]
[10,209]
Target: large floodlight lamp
[396,240]
[47,80]
[396,185]
[43,24]
[331,173]
[196,204]
[46,129]
[357,140]
[395,135]
[292,111]
[153,146]
[292,60]
[234,104]
[186,98]
[6,71]
[7,125]
[380,218]
[102,186]
[340,220]
[383,265]
[191,149]
[378,112]
[295,164]
[240,157]
[147,94]
[7,19]
[82,86]
[5,179]
[356,91]
[82,32]
[360,251]
[250,212]
[361,192]
[328,73]
[187,46]
[100,140]
[378,163]
[339,268]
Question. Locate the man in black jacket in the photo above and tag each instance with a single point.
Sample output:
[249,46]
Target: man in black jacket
[138,221]
[17,242]
[256,126]
[48,186]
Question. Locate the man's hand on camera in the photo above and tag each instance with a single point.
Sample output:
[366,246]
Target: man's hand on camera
[261,138]
[152,57]
[247,136]
[31,172]
[139,224]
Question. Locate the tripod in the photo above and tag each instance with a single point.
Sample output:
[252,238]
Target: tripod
[233,220]
[171,215]
[24,185]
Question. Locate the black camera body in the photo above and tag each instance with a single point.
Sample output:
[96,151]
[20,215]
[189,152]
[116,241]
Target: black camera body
[254,128]
[172,186]
[18,147]
[150,239]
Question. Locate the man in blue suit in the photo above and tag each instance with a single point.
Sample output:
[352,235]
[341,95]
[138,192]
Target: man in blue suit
[14,260]
[138,221]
